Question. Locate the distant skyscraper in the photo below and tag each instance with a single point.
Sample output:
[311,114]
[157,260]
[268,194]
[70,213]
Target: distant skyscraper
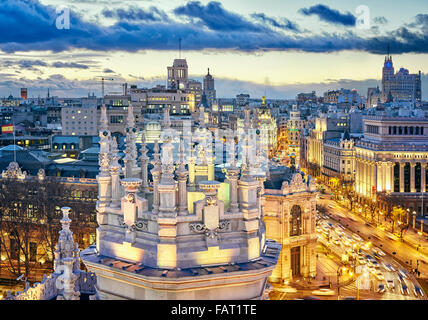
[209,89]
[400,86]
[178,75]
[24,93]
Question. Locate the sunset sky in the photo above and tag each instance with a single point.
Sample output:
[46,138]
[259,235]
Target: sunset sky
[251,46]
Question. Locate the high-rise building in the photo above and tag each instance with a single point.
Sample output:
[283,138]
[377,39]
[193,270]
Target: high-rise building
[178,75]
[24,93]
[242,99]
[209,89]
[402,85]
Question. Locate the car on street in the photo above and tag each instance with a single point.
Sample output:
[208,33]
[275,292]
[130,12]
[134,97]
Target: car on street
[418,291]
[323,292]
[380,252]
[361,260]
[339,226]
[404,289]
[376,255]
[379,275]
[311,298]
[403,273]
[391,237]
[390,284]
[389,267]
[357,237]
[381,288]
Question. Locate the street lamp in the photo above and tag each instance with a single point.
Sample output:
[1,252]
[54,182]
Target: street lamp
[414,218]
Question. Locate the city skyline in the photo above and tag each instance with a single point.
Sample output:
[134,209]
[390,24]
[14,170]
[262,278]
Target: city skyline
[322,34]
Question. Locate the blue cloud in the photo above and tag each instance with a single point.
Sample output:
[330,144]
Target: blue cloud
[28,25]
[285,24]
[25,64]
[136,14]
[215,17]
[380,20]
[72,65]
[330,15]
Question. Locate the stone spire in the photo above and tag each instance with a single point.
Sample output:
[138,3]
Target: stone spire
[103,119]
[247,120]
[67,261]
[202,117]
[167,186]
[144,161]
[182,174]
[156,173]
[167,160]
[115,175]
[104,178]
[166,118]
[105,135]
[232,176]
[130,158]
[130,120]
[191,166]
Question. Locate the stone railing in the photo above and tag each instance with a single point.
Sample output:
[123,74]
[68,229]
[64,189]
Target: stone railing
[47,289]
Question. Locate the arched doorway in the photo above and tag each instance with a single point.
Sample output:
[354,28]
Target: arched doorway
[295,261]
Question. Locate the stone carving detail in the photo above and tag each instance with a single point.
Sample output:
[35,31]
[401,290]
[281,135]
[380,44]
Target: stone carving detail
[67,281]
[197,227]
[41,175]
[13,171]
[139,225]
[297,184]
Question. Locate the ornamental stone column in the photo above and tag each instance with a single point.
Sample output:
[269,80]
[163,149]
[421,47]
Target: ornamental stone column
[156,173]
[412,177]
[232,176]
[144,161]
[182,174]
[402,164]
[114,173]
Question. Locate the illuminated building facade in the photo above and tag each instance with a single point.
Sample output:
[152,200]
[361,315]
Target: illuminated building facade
[294,126]
[289,213]
[402,85]
[325,128]
[339,158]
[266,122]
[391,160]
[184,236]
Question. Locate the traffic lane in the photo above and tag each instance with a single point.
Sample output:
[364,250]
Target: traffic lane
[410,282]
[404,251]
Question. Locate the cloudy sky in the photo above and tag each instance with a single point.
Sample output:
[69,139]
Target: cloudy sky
[280,47]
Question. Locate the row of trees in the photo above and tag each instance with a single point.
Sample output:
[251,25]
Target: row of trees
[30,221]
[345,190]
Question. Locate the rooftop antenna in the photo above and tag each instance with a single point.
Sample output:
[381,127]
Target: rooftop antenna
[179,48]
